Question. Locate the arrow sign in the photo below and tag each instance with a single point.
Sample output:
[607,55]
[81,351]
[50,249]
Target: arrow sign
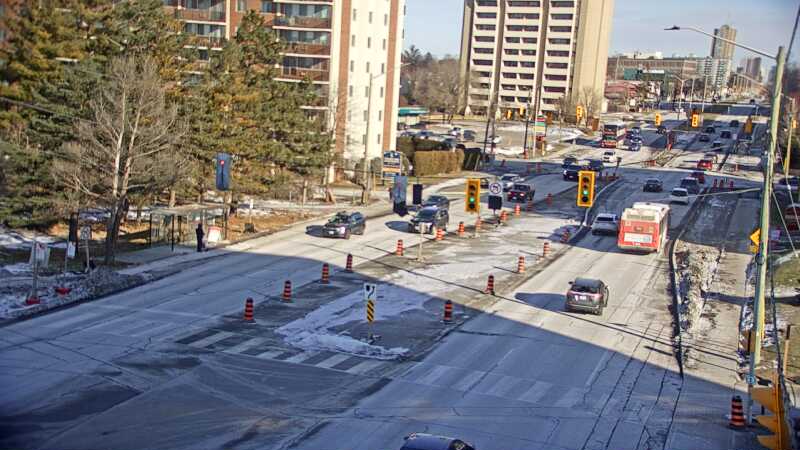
[755,238]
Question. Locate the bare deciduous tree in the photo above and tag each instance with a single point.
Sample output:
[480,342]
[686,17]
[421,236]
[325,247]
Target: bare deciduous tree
[441,88]
[591,100]
[127,149]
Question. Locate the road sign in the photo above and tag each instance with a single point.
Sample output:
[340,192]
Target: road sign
[495,188]
[495,202]
[86,233]
[370,292]
[755,238]
[370,311]
[751,379]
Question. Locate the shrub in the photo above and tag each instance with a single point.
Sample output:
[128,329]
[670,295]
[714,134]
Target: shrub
[436,162]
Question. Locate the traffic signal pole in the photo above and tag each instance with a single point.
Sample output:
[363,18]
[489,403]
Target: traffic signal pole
[762,255]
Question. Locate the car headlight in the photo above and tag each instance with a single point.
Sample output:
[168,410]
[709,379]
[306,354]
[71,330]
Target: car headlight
[341,229]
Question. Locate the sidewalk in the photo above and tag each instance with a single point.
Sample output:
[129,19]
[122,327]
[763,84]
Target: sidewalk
[705,399]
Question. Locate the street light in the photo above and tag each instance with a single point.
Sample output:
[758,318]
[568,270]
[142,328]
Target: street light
[761,256]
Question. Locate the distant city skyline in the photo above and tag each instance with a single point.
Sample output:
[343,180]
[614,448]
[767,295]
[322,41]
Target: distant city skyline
[436,26]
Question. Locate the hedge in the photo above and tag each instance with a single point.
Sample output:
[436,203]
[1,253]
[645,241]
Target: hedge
[436,162]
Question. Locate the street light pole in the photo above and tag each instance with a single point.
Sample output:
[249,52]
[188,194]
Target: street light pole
[366,174]
[527,122]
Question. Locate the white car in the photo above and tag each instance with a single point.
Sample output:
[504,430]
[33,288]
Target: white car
[508,180]
[679,195]
[609,156]
[456,131]
[605,224]
[494,140]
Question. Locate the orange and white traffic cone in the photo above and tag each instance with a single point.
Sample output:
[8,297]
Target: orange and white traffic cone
[565,237]
[546,249]
[737,414]
[517,210]
[478,224]
[349,266]
[248,310]
[287,291]
[399,250]
[326,274]
[448,312]
[521,264]
[489,285]
[461,229]
[503,216]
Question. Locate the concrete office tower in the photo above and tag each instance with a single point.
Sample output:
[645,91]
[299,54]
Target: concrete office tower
[514,52]
[721,49]
[341,45]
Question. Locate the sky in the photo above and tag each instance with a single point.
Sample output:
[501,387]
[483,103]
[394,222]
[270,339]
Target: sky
[435,25]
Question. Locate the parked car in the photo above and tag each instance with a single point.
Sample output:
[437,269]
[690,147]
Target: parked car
[609,156]
[710,130]
[704,164]
[438,201]
[429,218]
[661,129]
[494,139]
[705,138]
[700,176]
[570,173]
[468,135]
[520,192]
[726,135]
[734,123]
[717,145]
[424,441]
[586,294]
[653,185]
[568,161]
[679,195]
[605,224]
[691,184]
[508,180]
[712,156]
[425,134]
[596,165]
[485,182]
[344,224]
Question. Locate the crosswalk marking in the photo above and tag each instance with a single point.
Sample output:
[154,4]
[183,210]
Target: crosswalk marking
[433,375]
[211,339]
[364,367]
[572,397]
[536,392]
[242,346]
[269,354]
[333,360]
[300,357]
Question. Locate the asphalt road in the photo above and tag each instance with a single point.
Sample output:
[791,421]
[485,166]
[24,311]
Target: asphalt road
[139,369]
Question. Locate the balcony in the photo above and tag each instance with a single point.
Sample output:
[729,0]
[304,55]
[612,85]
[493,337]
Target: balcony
[301,73]
[199,15]
[303,22]
[207,41]
[303,48]
[319,2]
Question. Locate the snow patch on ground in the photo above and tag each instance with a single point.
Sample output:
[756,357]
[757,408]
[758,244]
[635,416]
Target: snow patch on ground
[16,240]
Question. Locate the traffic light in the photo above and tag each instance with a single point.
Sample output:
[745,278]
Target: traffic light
[771,398]
[658,119]
[223,171]
[472,203]
[695,120]
[416,194]
[579,112]
[586,188]
[748,126]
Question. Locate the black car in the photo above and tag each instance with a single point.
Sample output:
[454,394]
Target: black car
[596,165]
[438,201]
[521,192]
[710,130]
[725,135]
[661,129]
[343,224]
[705,138]
[734,123]
[568,161]
[424,441]
[570,172]
[653,185]
[429,218]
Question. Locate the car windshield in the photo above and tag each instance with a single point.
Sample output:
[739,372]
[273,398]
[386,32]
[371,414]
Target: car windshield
[522,187]
[508,177]
[426,214]
[688,182]
[339,219]
[679,193]
[584,289]
[604,219]
[652,181]
[434,199]
[574,167]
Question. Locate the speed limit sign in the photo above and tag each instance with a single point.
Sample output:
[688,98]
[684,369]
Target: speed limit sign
[495,188]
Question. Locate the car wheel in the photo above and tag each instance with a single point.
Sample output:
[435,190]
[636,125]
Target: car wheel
[347,234]
[598,311]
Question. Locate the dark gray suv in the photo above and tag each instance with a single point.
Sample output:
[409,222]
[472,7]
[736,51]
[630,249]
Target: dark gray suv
[428,219]
[586,294]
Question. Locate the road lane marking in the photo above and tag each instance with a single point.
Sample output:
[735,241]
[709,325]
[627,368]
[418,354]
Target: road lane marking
[364,367]
[466,382]
[570,398]
[300,357]
[242,346]
[211,339]
[73,320]
[431,377]
[269,354]
[536,392]
[502,387]
[333,360]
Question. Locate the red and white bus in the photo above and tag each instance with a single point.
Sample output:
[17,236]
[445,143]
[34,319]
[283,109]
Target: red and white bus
[643,227]
[613,135]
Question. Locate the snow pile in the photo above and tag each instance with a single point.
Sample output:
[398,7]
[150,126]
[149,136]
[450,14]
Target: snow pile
[697,268]
[553,132]
[98,283]
[17,240]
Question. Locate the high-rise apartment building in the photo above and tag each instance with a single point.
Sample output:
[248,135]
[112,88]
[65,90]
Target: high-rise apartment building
[349,49]
[721,49]
[516,52]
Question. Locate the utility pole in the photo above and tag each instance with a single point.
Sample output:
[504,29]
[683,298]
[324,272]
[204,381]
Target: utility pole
[763,245]
[527,122]
[366,174]
[788,156]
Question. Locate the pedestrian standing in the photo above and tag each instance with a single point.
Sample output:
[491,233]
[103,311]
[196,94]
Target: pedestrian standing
[200,234]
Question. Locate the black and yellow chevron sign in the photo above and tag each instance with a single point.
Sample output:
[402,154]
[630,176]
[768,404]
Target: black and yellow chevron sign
[370,311]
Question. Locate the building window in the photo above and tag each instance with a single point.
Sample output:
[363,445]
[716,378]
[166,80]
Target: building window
[484,51]
[383,68]
[508,51]
[386,19]
[366,115]
[267,6]
[487,2]
[561,16]
[557,29]
[363,139]
[485,27]
[528,64]
[509,87]
[524,3]
[510,63]
[354,15]
[381,91]
[481,62]
[368,67]
[384,44]
[558,53]
[512,40]
[352,65]
[366,91]
[369,42]
[241,5]
[353,40]
[379,139]
[486,15]
[553,65]
[564,4]
[485,39]
[350,94]
[558,41]
[509,75]
[380,116]
[370,17]
[529,40]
